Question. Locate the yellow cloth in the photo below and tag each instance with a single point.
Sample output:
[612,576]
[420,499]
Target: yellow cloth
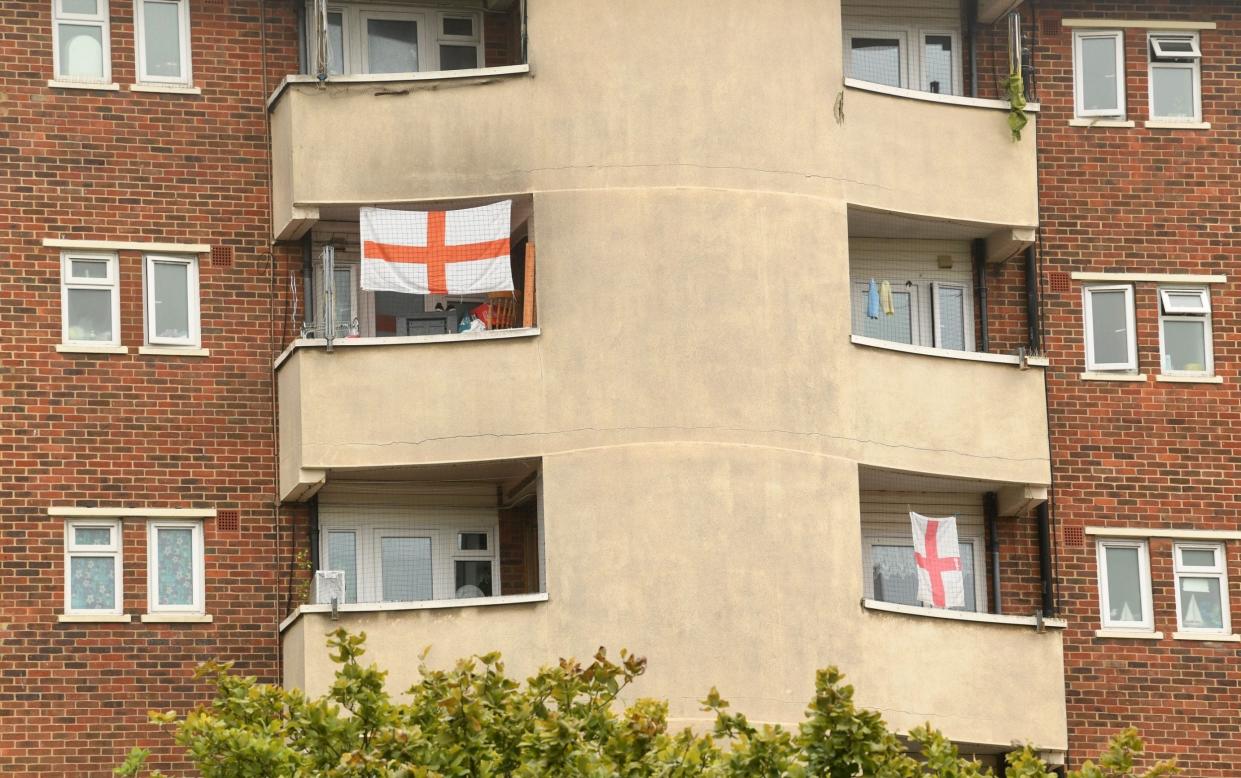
[885,298]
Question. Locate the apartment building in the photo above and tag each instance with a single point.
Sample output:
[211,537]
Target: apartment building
[1137,141]
[138,297]
[689,436]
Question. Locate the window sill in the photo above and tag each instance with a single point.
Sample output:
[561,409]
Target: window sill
[378,607]
[384,78]
[932,97]
[1208,638]
[455,337]
[174,351]
[1102,123]
[1128,634]
[928,351]
[88,618]
[1190,379]
[68,348]
[1161,125]
[76,85]
[176,618]
[1095,375]
[940,613]
[167,89]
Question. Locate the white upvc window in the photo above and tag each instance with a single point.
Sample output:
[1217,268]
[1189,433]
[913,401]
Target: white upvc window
[90,301]
[906,56]
[460,41]
[162,28]
[891,575]
[1111,340]
[1201,588]
[81,50]
[1125,585]
[952,310]
[1099,73]
[171,300]
[93,567]
[175,567]
[373,38]
[1185,341]
[1175,77]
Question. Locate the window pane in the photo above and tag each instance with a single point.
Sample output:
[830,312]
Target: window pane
[895,577]
[459,26]
[1098,73]
[1200,603]
[90,314]
[102,536]
[1110,327]
[176,566]
[342,555]
[81,51]
[392,46]
[1197,557]
[92,583]
[161,38]
[172,304]
[473,579]
[1124,584]
[937,63]
[897,326]
[85,7]
[952,318]
[1172,92]
[343,308]
[406,567]
[1184,344]
[1185,302]
[335,44]
[472,541]
[88,268]
[877,60]
[458,57]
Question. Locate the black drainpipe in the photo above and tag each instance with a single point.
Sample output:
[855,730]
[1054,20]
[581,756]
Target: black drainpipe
[990,509]
[303,56]
[978,254]
[308,278]
[314,533]
[1044,560]
[972,24]
[1033,328]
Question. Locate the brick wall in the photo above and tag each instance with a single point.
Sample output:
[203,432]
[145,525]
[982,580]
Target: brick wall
[130,429]
[1142,454]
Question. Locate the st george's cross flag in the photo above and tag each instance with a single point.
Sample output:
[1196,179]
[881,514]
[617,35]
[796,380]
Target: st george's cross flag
[937,556]
[437,252]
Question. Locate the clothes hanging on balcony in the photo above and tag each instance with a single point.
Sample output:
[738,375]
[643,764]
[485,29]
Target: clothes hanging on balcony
[872,300]
[885,298]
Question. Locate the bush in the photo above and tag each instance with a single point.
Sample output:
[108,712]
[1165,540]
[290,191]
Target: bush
[476,721]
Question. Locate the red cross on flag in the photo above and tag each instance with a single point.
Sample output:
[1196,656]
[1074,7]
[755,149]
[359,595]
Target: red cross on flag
[937,556]
[437,252]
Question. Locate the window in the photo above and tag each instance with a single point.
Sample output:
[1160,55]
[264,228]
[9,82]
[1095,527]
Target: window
[1111,343]
[1185,332]
[1125,585]
[163,41]
[172,301]
[365,38]
[93,567]
[893,576]
[882,56]
[405,566]
[342,554]
[1201,588]
[1175,77]
[952,311]
[90,302]
[939,63]
[1099,73]
[902,326]
[458,42]
[80,46]
[175,567]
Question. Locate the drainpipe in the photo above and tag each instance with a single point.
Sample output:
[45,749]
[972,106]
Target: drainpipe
[308,278]
[1033,328]
[990,508]
[314,532]
[972,24]
[303,57]
[978,254]
[1044,560]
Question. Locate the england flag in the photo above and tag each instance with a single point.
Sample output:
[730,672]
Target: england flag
[937,556]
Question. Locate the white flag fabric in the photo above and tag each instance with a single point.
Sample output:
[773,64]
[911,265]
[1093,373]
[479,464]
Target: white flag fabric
[937,556]
[437,252]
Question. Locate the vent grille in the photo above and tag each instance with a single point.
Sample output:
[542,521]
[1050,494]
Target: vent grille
[1074,536]
[221,256]
[227,521]
[1050,28]
[1058,280]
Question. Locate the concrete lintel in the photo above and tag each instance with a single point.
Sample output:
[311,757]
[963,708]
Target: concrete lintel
[1005,244]
[1020,499]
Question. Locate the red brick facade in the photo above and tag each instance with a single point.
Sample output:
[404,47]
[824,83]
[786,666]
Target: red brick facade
[136,430]
[1142,454]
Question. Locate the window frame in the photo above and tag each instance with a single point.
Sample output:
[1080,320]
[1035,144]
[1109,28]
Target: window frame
[113,550]
[353,18]
[378,534]
[1088,328]
[325,552]
[1078,93]
[1147,623]
[958,81]
[967,312]
[915,310]
[102,20]
[194,339]
[1219,571]
[197,607]
[186,78]
[1203,314]
[444,39]
[110,283]
[1192,62]
[904,61]
[974,539]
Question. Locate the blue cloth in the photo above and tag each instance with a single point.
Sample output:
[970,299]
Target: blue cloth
[872,300]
